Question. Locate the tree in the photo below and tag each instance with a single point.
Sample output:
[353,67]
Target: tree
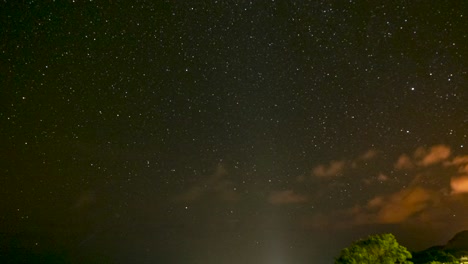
[375,249]
[433,255]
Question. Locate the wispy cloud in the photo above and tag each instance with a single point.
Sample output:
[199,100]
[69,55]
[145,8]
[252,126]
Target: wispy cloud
[379,178]
[423,157]
[419,199]
[400,206]
[459,182]
[333,169]
[404,162]
[368,155]
[216,184]
[339,167]
[286,197]
[396,208]
[382,177]
[459,160]
[432,155]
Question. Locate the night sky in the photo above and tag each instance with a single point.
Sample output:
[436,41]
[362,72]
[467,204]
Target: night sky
[266,132]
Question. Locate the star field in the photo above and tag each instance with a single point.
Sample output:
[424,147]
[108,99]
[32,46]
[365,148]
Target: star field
[229,131]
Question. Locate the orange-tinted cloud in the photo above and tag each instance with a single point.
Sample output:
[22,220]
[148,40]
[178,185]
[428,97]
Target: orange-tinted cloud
[286,197]
[376,202]
[404,162]
[368,155]
[459,184]
[459,160]
[434,155]
[400,206]
[333,169]
[382,177]
[338,167]
[426,192]
[394,208]
[463,169]
[379,178]
[423,157]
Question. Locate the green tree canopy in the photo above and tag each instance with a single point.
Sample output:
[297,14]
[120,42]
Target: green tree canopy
[376,249]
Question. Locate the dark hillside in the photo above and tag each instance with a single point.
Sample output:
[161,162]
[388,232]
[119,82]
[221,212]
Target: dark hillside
[454,249]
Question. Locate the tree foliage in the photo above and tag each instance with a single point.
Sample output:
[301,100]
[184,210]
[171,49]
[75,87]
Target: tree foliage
[376,249]
[434,255]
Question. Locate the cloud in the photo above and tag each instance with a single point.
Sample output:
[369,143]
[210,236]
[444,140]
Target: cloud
[382,177]
[412,202]
[379,178]
[337,167]
[402,205]
[407,206]
[368,155]
[459,184]
[216,184]
[333,169]
[286,197]
[434,155]
[423,157]
[404,162]
[459,160]
[375,202]
[435,181]
[395,208]
[463,169]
